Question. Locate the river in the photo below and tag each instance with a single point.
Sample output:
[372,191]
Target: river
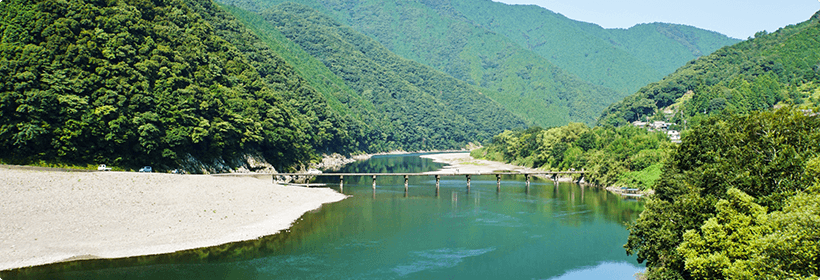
[541,232]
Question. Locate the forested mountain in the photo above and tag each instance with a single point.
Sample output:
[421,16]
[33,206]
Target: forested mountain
[489,45]
[172,83]
[778,68]
[130,83]
[426,108]
[621,59]
[512,75]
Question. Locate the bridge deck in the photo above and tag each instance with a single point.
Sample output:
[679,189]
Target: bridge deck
[431,174]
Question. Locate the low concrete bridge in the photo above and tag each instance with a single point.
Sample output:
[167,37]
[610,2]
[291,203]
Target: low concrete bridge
[552,174]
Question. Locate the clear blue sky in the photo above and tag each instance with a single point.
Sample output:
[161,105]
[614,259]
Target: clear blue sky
[738,19]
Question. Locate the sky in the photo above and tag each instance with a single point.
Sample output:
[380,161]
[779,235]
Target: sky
[737,19]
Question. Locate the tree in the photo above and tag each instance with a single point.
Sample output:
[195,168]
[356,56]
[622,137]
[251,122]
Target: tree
[767,155]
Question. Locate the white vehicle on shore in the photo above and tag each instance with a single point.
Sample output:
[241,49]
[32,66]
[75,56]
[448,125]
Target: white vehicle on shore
[314,171]
[102,167]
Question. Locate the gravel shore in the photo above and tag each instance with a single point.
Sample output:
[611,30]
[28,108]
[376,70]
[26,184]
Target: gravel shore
[52,216]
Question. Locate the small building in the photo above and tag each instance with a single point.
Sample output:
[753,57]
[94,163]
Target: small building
[673,135]
[659,125]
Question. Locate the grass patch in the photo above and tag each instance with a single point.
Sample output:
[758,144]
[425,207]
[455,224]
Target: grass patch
[643,179]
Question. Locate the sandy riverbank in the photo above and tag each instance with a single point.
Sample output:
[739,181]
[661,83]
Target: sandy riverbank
[50,216]
[464,163]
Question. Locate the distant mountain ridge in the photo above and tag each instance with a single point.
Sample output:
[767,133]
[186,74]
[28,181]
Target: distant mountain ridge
[621,59]
[563,70]
[779,68]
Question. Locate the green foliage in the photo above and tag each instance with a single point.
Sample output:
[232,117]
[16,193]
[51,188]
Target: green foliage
[620,59]
[131,83]
[626,156]
[757,74]
[486,45]
[413,106]
[742,241]
[766,159]
[172,82]
[642,178]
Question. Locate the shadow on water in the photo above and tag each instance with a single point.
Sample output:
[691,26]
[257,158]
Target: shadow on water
[542,231]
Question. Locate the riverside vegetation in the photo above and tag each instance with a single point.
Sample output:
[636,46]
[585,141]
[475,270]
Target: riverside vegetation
[739,198]
[628,156]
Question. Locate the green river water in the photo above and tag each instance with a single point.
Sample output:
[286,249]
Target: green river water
[541,232]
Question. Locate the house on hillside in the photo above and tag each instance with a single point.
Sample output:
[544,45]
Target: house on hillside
[674,136]
[659,125]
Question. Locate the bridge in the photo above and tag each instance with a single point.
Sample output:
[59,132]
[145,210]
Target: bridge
[552,174]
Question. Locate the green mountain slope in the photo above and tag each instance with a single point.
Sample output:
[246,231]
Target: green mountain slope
[134,83]
[621,59]
[564,70]
[183,83]
[523,82]
[781,67]
[426,108]
[333,109]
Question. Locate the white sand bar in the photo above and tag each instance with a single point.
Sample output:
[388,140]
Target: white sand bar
[464,163]
[50,216]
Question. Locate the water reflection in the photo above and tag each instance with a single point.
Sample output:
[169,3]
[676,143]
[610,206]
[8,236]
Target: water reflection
[541,231]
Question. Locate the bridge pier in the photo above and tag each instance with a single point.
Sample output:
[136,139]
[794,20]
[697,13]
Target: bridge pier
[374,182]
[468,183]
[438,179]
[405,183]
[498,182]
[341,183]
[528,179]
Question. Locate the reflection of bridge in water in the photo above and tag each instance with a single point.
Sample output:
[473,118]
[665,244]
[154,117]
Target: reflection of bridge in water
[554,175]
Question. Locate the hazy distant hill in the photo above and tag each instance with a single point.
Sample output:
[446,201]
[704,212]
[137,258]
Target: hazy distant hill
[781,67]
[621,59]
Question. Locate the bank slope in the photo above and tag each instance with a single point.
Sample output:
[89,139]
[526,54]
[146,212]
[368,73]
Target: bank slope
[770,69]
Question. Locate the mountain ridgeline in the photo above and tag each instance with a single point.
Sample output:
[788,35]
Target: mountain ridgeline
[207,87]
[564,70]
[780,68]
[172,83]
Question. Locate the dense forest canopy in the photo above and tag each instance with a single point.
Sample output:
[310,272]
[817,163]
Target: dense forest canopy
[768,70]
[136,82]
[428,109]
[185,84]
[478,42]
[737,199]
